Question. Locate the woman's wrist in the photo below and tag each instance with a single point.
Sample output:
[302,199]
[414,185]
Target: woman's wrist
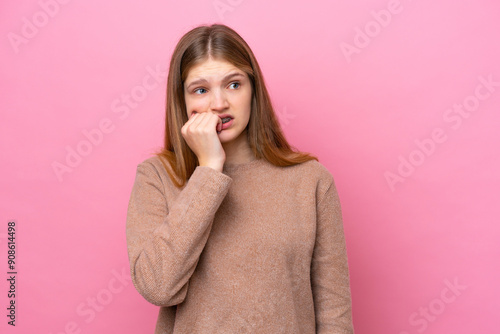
[216,166]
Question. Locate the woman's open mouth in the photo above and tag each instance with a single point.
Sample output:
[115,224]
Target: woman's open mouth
[226,122]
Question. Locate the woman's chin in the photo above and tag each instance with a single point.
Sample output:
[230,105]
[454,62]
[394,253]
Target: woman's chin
[226,136]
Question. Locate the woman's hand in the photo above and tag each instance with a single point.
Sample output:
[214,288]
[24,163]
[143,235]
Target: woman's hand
[200,133]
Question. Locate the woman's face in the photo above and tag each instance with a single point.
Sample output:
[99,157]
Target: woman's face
[220,87]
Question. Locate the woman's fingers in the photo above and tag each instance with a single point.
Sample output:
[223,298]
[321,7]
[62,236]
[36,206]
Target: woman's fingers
[203,120]
[200,133]
[219,124]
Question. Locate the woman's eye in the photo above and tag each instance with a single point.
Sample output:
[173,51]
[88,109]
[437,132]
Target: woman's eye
[199,90]
[234,83]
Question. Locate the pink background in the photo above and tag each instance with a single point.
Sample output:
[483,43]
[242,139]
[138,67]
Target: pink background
[371,95]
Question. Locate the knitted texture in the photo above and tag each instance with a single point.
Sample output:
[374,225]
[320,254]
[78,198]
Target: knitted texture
[255,248]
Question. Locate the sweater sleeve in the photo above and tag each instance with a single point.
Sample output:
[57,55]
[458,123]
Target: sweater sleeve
[165,236]
[329,268]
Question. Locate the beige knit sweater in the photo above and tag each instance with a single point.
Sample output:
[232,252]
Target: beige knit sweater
[252,249]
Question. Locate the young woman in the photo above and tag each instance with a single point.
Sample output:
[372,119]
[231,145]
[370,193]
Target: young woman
[229,228]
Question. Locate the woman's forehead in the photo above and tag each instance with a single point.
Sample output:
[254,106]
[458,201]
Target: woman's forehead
[212,69]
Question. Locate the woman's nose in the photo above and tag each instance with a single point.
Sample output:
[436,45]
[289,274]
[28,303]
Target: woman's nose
[218,100]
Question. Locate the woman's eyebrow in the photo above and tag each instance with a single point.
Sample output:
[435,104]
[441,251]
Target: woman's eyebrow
[226,78]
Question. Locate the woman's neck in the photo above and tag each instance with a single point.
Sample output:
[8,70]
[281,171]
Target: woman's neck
[238,151]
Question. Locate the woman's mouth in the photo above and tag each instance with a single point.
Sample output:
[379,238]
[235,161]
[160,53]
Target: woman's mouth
[226,122]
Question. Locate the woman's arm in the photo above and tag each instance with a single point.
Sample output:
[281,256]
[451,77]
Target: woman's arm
[166,236]
[329,268]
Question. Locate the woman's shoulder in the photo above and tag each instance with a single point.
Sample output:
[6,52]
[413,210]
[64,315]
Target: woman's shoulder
[153,161]
[314,169]
[156,166]
[322,177]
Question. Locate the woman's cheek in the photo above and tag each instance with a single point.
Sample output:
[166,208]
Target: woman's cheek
[198,106]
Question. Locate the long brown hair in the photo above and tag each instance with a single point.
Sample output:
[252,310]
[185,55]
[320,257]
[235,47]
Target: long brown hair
[264,133]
